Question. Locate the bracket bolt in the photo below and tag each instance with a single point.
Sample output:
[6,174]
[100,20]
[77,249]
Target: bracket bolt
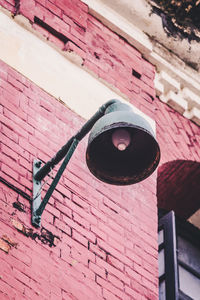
[38,164]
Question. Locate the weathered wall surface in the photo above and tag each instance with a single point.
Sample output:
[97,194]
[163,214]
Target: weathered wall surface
[96,241]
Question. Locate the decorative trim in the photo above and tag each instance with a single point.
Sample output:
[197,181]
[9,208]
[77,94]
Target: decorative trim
[176,84]
[57,73]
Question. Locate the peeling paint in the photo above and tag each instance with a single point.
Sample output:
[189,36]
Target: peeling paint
[45,236]
[19,206]
[180,19]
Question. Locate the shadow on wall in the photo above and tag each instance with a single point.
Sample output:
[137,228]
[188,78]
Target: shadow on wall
[178,187]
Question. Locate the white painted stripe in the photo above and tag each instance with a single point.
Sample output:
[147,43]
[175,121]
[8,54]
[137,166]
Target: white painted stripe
[53,72]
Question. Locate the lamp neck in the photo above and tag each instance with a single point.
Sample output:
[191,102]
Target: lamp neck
[79,136]
[117,106]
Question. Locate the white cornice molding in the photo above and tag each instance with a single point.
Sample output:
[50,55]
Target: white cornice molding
[176,84]
[178,87]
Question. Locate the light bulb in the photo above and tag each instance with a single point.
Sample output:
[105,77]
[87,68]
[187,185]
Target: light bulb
[121,139]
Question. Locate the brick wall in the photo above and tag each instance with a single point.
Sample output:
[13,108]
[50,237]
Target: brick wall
[96,241]
[69,26]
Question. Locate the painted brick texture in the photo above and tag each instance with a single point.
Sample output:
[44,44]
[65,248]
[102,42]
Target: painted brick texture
[69,26]
[96,241]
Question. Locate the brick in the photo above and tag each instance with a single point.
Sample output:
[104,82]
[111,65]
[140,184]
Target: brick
[133,274]
[3,75]
[133,294]
[97,270]
[98,214]
[81,221]
[77,31]
[18,225]
[14,127]
[19,77]
[78,237]
[80,201]
[134,257]
[62,226]
[7,290]
[116,245]
[53,8]
[8,240]
[99,233]
[4,246]
[114,252]
[12,282]
[9,152]
[27,9]
[64,191]
[115,262]
[9,133]
[27,183]
[105,284]
[111,204]
[117,229]
[110,233]
[13,165]
[73,11]
[9,100]
[80,211]
[109,295]
[89,65]
[48,106]
[17,84]
[25,163]
[27,147]
[145,274]
[18,120]
[21,277]
[53,211]
[149,285]
[71,47]
[83,256]
[99,252]
[9,172]
[112,270]
[116,282]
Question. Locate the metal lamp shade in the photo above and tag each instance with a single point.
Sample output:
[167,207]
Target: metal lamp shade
[136,162]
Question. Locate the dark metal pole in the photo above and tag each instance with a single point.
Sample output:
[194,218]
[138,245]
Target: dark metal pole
[37,212]
[81,133]
[57,177]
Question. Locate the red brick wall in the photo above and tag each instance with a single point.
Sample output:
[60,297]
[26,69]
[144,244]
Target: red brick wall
[96,240]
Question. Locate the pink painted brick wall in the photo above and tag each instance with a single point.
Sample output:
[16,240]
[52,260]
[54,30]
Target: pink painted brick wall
[96,241]
[68,24]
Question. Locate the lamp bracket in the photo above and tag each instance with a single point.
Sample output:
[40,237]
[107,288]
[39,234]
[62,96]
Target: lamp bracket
[39,172]
[37,186]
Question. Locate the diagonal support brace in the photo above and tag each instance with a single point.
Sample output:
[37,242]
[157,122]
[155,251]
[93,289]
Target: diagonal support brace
[38,206]
[65,152]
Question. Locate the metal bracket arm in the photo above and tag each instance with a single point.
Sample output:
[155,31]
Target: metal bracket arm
[38,206]
[66,151]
